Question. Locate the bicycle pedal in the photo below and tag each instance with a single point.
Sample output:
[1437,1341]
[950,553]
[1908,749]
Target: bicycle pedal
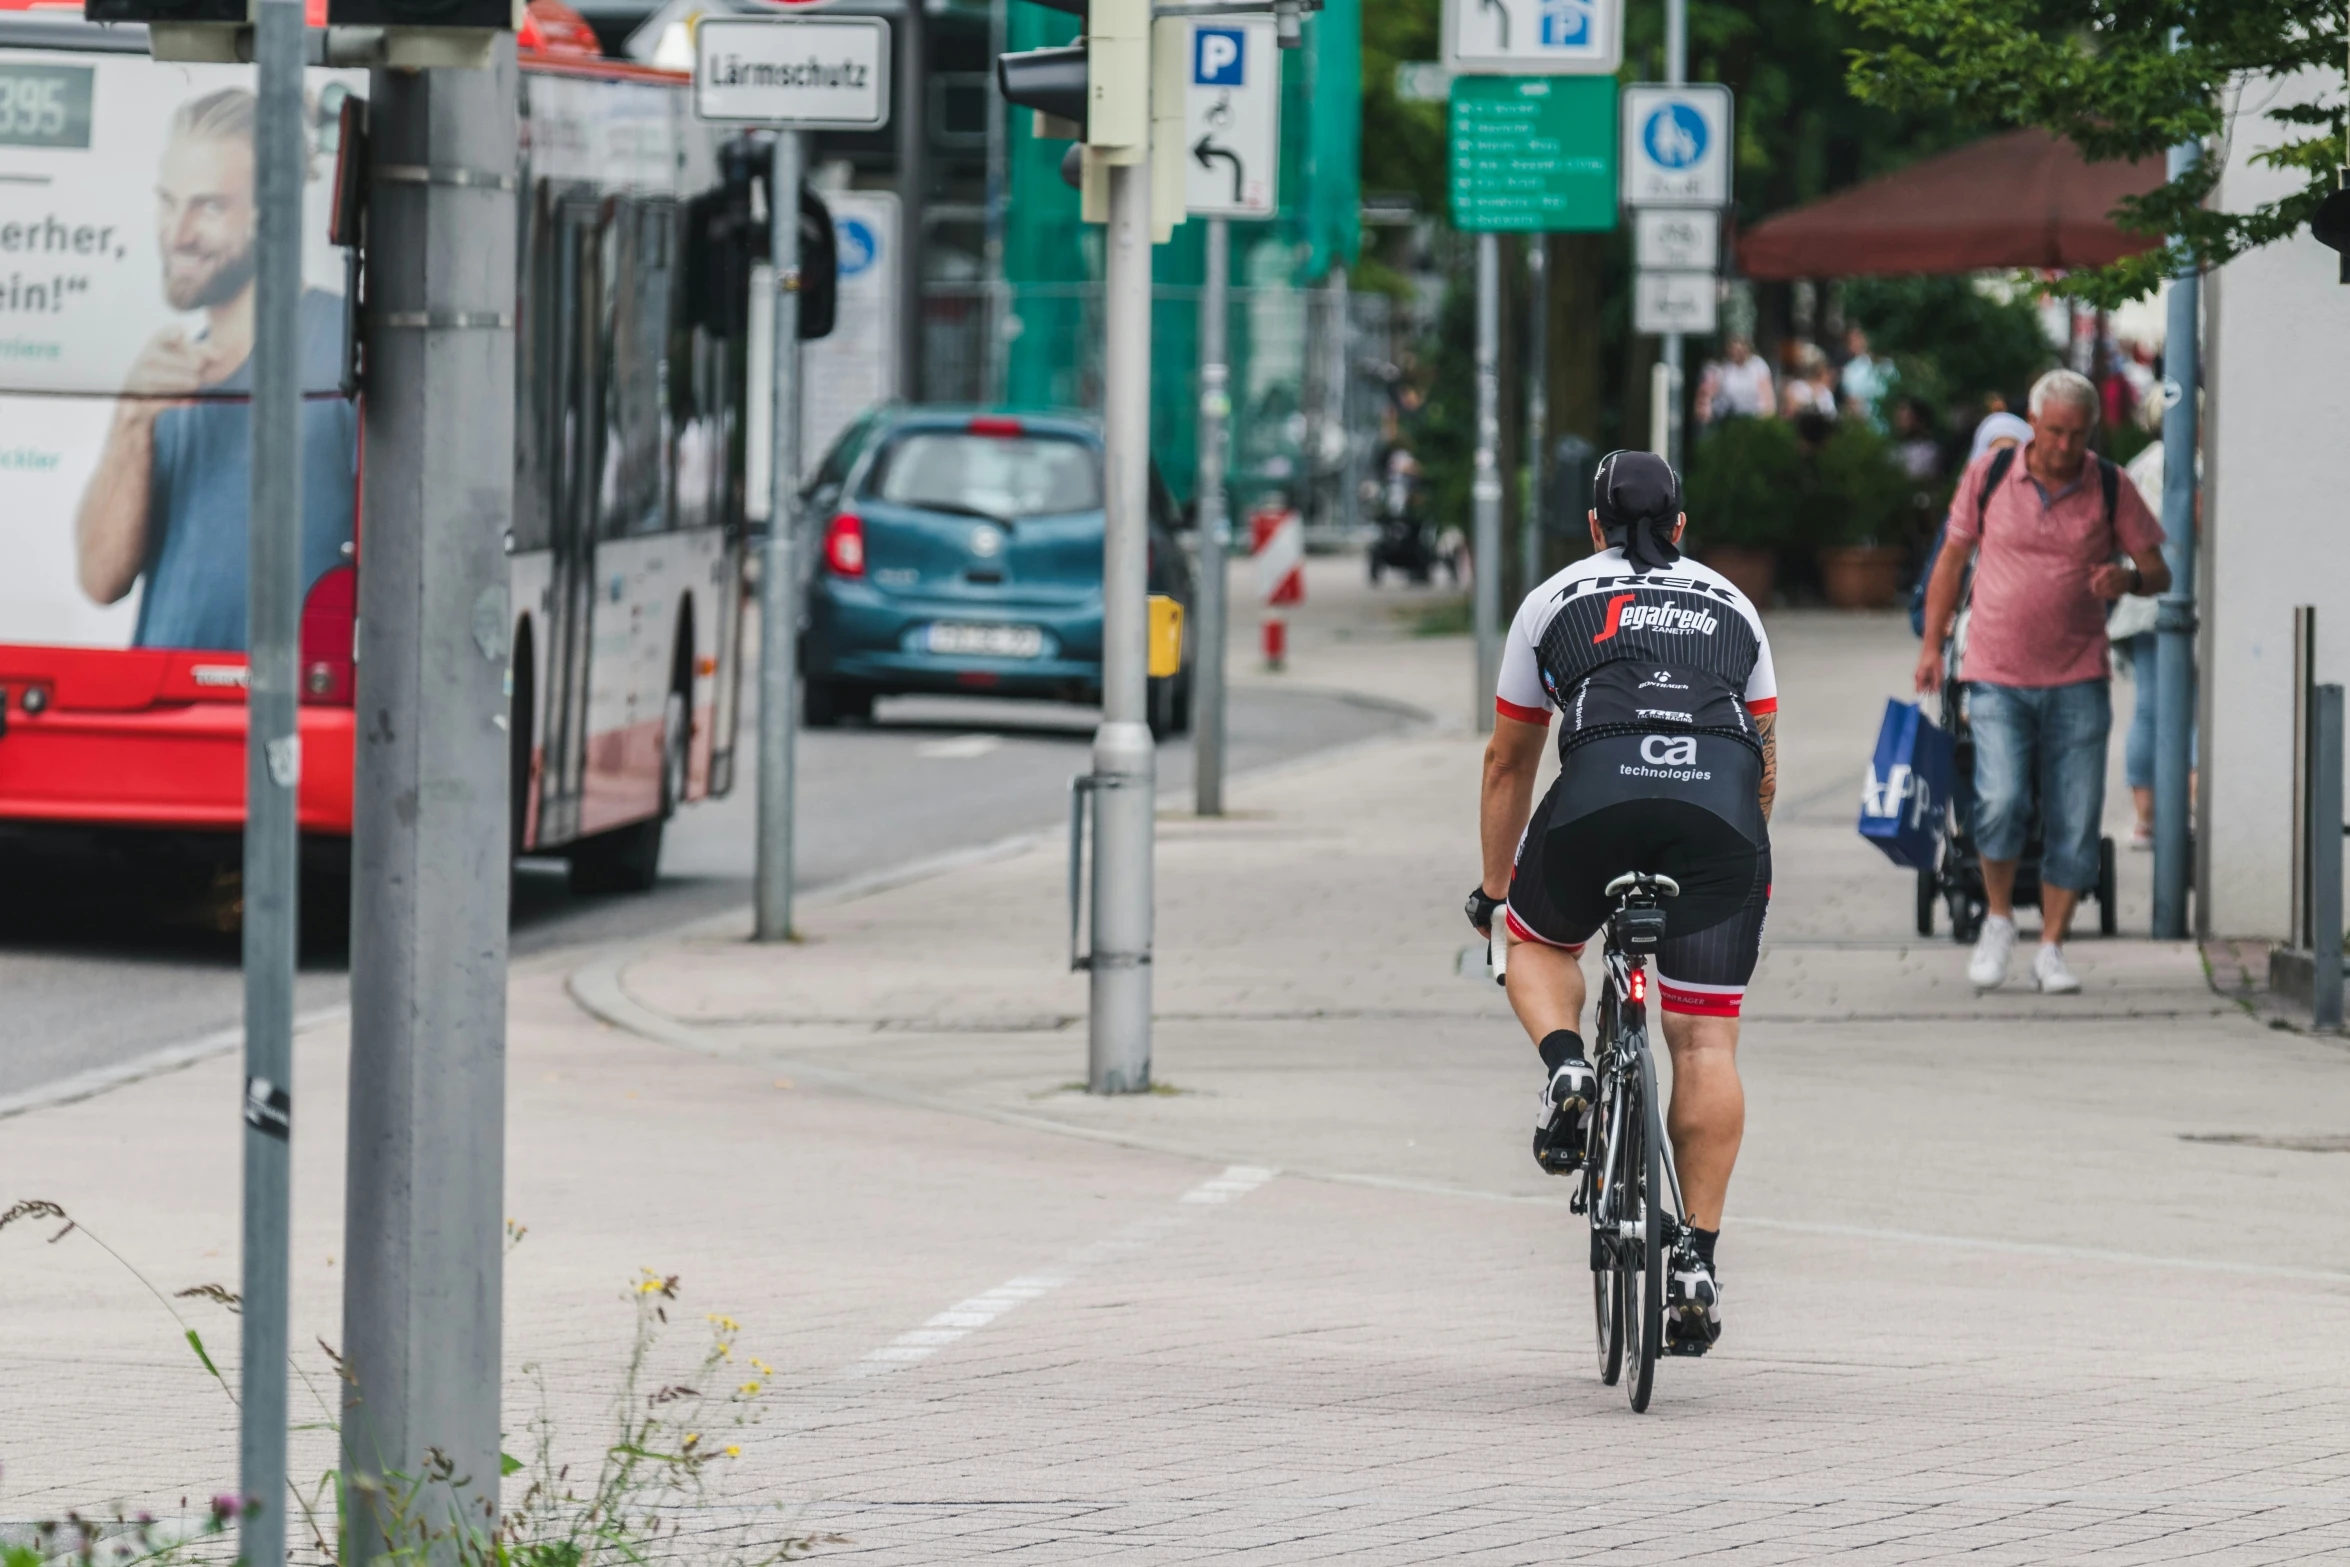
[1603,1253]
[1576,1204]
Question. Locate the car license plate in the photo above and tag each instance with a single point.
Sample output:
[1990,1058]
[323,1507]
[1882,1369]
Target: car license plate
[987,641]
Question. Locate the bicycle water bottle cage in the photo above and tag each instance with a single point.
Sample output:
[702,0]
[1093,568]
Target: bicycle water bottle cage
[1640,927]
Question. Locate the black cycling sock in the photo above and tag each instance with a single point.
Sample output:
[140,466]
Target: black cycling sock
[1702,1242]
[1560,1046]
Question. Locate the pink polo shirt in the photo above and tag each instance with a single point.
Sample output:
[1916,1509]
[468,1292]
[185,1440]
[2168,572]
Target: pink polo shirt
[2035,621]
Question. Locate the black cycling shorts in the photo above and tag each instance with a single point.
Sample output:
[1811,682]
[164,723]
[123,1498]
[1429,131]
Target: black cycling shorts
[1674,805]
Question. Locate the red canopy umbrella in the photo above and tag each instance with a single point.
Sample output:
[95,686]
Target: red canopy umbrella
[2025,199]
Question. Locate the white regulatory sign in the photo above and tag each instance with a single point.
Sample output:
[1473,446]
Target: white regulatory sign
[1674,302]
[813,73]
[1232,118]
[1533,37]
[1677,239]
[1677,145]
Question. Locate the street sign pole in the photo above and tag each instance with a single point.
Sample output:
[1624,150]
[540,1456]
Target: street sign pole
[1125,762]
[1215,409]
[1485,484]
[425,1177]
[753,71]
[2174,713]
[779,575]
[1537,407]
[1676,72]
[273,765]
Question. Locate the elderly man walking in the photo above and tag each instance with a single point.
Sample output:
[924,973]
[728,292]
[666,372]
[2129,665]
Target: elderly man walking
[2057,535]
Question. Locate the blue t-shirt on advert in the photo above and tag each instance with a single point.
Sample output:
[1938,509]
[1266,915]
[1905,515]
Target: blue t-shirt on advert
[200,490]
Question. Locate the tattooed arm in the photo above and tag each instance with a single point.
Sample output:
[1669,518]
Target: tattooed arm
[1766,729]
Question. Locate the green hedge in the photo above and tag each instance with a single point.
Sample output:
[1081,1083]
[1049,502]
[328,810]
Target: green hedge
[1753,484]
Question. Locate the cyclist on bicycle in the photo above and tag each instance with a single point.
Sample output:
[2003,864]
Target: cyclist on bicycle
[1668,761]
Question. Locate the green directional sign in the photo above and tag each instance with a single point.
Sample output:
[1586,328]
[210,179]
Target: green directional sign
[1533,153]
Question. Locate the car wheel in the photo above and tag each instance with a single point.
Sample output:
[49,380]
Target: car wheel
[819,705]
[626,859]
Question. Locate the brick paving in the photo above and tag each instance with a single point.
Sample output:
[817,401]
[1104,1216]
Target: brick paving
[1986,1299]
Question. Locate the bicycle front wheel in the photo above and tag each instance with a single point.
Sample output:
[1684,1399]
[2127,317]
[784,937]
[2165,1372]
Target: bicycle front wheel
[1642,1267]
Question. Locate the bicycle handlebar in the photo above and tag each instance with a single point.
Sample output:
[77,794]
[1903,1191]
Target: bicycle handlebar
[1631,879]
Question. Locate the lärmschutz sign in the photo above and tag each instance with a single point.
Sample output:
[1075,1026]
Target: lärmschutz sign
[807,73]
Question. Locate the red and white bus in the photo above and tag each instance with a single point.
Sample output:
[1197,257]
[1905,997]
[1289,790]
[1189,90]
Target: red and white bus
[125,267]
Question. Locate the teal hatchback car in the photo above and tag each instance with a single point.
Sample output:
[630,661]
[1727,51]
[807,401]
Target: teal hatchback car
[960,550]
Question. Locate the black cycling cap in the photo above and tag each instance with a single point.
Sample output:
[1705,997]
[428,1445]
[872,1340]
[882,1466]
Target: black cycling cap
[1638,498]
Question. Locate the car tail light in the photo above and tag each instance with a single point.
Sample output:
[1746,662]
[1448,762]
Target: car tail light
[330,623]
[995,424]
[844,545]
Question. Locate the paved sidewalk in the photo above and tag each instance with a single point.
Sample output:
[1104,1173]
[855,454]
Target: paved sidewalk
[1992,1290]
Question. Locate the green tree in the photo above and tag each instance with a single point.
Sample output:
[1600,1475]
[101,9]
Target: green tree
[2106,76]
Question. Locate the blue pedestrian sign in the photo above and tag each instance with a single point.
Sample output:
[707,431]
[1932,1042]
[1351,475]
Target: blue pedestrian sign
[1676,145]
[1219,56]
[1675,136]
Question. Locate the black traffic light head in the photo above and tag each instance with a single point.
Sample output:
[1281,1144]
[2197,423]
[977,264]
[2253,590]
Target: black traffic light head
[724,238]
[228,13]
[474,15]
[1050,81]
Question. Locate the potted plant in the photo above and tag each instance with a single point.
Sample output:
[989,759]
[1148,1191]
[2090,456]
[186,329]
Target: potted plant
[1744,492]
[1861,500]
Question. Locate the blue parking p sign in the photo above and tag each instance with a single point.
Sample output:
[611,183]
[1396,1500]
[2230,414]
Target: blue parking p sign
[1218,55]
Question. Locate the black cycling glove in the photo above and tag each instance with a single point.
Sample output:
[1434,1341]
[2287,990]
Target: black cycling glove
[1480,908]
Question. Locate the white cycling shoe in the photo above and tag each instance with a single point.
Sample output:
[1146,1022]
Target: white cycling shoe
[1693,1304]
[1562,1126]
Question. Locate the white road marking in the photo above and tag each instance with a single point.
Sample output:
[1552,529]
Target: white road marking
[960,749]
[965,1317]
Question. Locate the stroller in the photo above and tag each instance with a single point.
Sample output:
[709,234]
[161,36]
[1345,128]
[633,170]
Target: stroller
[1957,880]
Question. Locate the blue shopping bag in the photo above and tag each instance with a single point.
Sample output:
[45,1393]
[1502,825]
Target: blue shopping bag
[1903,802]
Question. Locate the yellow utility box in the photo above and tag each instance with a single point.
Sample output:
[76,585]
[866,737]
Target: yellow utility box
[1166,636]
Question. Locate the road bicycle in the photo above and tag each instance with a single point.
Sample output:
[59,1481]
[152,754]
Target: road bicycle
[1629,1188]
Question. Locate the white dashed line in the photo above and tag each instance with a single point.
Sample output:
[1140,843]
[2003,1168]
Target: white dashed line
[968,1316]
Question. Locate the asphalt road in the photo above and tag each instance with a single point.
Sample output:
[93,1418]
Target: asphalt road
[104,959]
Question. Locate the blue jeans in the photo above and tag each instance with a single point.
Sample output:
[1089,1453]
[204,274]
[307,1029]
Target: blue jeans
[2048,742]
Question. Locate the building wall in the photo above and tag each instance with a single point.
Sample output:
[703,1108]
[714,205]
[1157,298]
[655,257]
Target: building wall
[2277,324]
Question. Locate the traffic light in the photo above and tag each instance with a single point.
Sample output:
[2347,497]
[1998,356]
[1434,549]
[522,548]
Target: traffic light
[431,32]
[724,236]
[1119,92]
[200,31]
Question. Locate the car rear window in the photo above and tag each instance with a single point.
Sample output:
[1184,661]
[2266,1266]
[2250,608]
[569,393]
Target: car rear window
[1006,476]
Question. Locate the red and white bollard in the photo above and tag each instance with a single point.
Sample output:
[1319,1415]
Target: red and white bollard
[1279,537]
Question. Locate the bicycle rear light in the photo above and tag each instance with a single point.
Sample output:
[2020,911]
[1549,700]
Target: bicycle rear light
[1639,986]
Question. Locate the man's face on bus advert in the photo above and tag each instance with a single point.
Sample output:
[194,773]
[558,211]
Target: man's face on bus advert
[204,220]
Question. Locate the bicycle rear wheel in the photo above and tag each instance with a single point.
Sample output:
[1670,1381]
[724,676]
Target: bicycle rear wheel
[1643,1270]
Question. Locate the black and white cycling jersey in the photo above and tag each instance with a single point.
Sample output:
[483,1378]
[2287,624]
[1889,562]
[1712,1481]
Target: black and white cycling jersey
[1614,650]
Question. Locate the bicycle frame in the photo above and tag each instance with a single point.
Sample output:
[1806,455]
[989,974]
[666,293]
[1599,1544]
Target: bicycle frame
[1622,1040]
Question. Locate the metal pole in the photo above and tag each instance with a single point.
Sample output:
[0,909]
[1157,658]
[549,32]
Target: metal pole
[910,103]
[273,767]
[424,1190]
[993,386]
[1215,408]
[2174,657]
[1537,407]
[2325,887]
[1125,766]
[1485,484]
[1676,73]
[1350,499]
[779,563]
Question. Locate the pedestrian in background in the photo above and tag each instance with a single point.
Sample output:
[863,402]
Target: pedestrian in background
[2045,525]
[1737,386]
[1865,379]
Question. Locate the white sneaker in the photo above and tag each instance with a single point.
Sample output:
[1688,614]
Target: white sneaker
[1987,969]
[2050,974]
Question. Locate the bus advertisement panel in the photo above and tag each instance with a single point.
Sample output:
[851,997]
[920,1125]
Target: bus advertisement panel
[126,329]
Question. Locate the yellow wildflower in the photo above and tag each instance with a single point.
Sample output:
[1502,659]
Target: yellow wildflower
[734,1452]
[748,1388]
